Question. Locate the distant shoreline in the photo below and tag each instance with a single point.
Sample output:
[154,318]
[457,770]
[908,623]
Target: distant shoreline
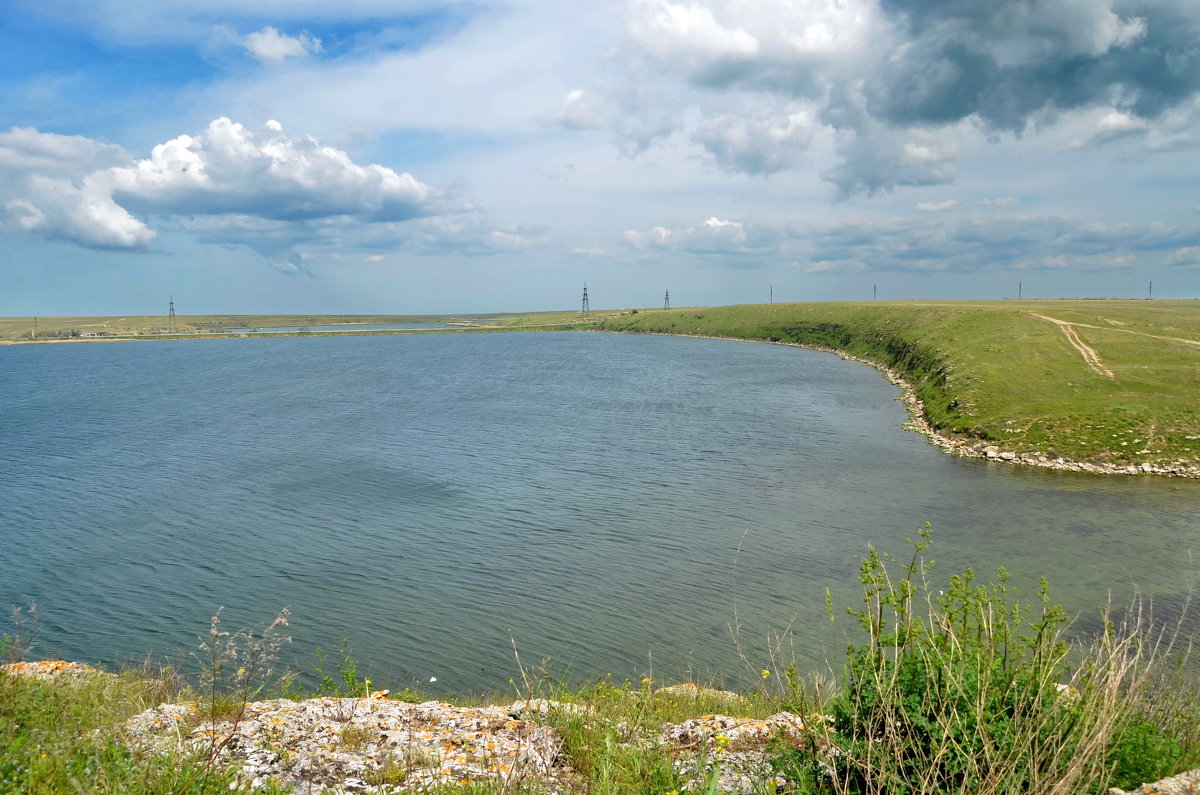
[965,447]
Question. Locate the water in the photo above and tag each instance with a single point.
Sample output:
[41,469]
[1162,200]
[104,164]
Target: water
[441,497]
[343,327]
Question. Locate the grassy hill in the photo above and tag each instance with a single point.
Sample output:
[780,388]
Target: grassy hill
[1112,382]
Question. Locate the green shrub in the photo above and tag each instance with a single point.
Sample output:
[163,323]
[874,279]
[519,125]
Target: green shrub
[967,690]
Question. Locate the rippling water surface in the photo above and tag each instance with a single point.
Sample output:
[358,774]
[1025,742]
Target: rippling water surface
[442,496]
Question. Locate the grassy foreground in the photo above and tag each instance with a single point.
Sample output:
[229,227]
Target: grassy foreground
[1112,382]
[949,686]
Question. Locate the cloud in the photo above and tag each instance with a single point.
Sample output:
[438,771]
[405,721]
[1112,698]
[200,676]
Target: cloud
[882,73]
[272,47]
[1187,257]
[268,190]
[587,252]
[930,243]
[1003,202]
[580,110]
[713,238]
[48,189]
[758,145]
[844,266]
[992,243]
[937,207]
[228,169]
[1111,126]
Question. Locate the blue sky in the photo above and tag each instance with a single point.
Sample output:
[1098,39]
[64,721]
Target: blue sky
[403,156]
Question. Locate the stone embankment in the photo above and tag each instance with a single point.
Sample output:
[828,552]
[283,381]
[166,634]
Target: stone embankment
[374,744]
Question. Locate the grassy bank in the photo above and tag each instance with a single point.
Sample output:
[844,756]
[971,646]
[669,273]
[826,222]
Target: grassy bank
[949,685]
[60,329]
[1112,382]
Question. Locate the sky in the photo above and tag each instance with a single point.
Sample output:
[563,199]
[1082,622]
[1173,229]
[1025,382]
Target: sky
[422,157]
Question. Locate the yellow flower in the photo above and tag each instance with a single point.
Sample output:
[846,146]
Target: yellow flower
[646,680]
[765,673]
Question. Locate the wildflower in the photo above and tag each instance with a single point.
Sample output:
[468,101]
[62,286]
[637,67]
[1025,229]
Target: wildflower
[645,680]
[432,679]
[765,673]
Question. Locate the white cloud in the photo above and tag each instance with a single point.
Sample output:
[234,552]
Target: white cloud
[689,34]
[758,145]
[714,236]
[48,188]
[270,46]
[580,110]
[1112,125]
[1188,256]
[1004,201]
[842,266]
[595,251]
[269,174]
[937,207]
[375,258]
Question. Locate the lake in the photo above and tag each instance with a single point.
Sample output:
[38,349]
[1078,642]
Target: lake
[612,503]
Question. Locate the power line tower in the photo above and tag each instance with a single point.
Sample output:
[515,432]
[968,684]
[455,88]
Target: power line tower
[667,300]
[171,314]
[586,307]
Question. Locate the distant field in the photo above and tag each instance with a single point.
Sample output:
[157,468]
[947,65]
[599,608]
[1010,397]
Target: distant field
[1112,382]
[55,328]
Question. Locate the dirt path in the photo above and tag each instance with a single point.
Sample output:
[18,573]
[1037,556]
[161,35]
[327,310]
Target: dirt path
[1089,354]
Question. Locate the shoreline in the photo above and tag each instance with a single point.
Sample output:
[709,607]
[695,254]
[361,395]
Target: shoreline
[964,447]
[961,447]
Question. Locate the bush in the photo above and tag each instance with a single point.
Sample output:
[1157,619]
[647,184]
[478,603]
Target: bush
[967,690]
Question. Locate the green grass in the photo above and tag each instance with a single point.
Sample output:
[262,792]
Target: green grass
[994,372]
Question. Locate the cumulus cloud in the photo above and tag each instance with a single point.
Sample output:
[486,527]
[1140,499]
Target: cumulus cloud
[882,72]
[268,174]
[988,242]
[957,243]
[937,207]
[580,110]
[470,235]
[1111,126]
[843,266]
[48,188]
[272,47]
[713,238]
[758,145]
[266,189]
[1186,257]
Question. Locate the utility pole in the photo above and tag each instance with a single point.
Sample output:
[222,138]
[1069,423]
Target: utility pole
[33,334]
[874,292]
[1151,295]
[171,314]
[772,293]
[667,300]
[586,307]
[1018,291]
